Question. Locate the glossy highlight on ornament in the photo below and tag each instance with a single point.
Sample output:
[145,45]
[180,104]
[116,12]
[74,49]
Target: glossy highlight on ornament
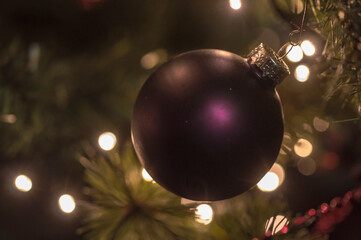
[208,124]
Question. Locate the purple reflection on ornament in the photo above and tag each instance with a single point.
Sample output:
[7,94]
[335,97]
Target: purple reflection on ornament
[219,115]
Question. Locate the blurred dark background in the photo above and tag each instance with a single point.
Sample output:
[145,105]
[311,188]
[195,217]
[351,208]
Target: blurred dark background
[70,70]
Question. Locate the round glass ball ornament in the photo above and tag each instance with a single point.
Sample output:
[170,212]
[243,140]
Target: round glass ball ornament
[208,124]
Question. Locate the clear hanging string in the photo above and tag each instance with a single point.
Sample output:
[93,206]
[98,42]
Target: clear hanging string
[291,42]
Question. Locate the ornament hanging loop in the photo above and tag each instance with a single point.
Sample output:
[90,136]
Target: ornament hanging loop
[294,38]
[291,37]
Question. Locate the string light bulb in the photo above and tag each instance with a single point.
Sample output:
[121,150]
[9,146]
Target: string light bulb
[23,183]
[269,182]
[67,203]
[204,214]
[302,73]
[295,54]
[107,141]
[235,4]
[308,48]
[149,60]
[303,147]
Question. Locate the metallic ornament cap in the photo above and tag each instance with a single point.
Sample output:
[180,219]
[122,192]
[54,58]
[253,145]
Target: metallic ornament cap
[269,63]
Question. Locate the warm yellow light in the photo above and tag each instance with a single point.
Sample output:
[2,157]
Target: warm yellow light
[269,182]
[296,6]
[308,48]
[146,176]
[303,147]
[320,124]
[149,60]
[276,223]
[66,203]
[235,4]
[107,141]
[302,73]
[295,54]
[279,171]
[341,15]
[306,166]
[204,214]
[8,118]
[23,183]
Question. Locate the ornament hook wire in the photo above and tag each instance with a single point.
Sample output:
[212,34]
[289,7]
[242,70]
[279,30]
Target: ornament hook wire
[299,31]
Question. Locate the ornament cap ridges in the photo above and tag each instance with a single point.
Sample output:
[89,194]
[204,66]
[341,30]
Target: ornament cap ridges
[269,63]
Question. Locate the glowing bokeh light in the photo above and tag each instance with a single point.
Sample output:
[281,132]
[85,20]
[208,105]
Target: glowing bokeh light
[23,183]
[303,147]
[8,118]
[320,125]
[276,223]
[295,54]
[296,6]
[302,73]
[204,214]
[269,182]
[341,15]
[324,208]
[306,166]
[149,60]
[235,4]
[146,176]
[336,202]
[279,171]
[308,48]
[107,141]
[67,203]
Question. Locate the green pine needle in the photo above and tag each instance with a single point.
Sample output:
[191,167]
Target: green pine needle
[123,206]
